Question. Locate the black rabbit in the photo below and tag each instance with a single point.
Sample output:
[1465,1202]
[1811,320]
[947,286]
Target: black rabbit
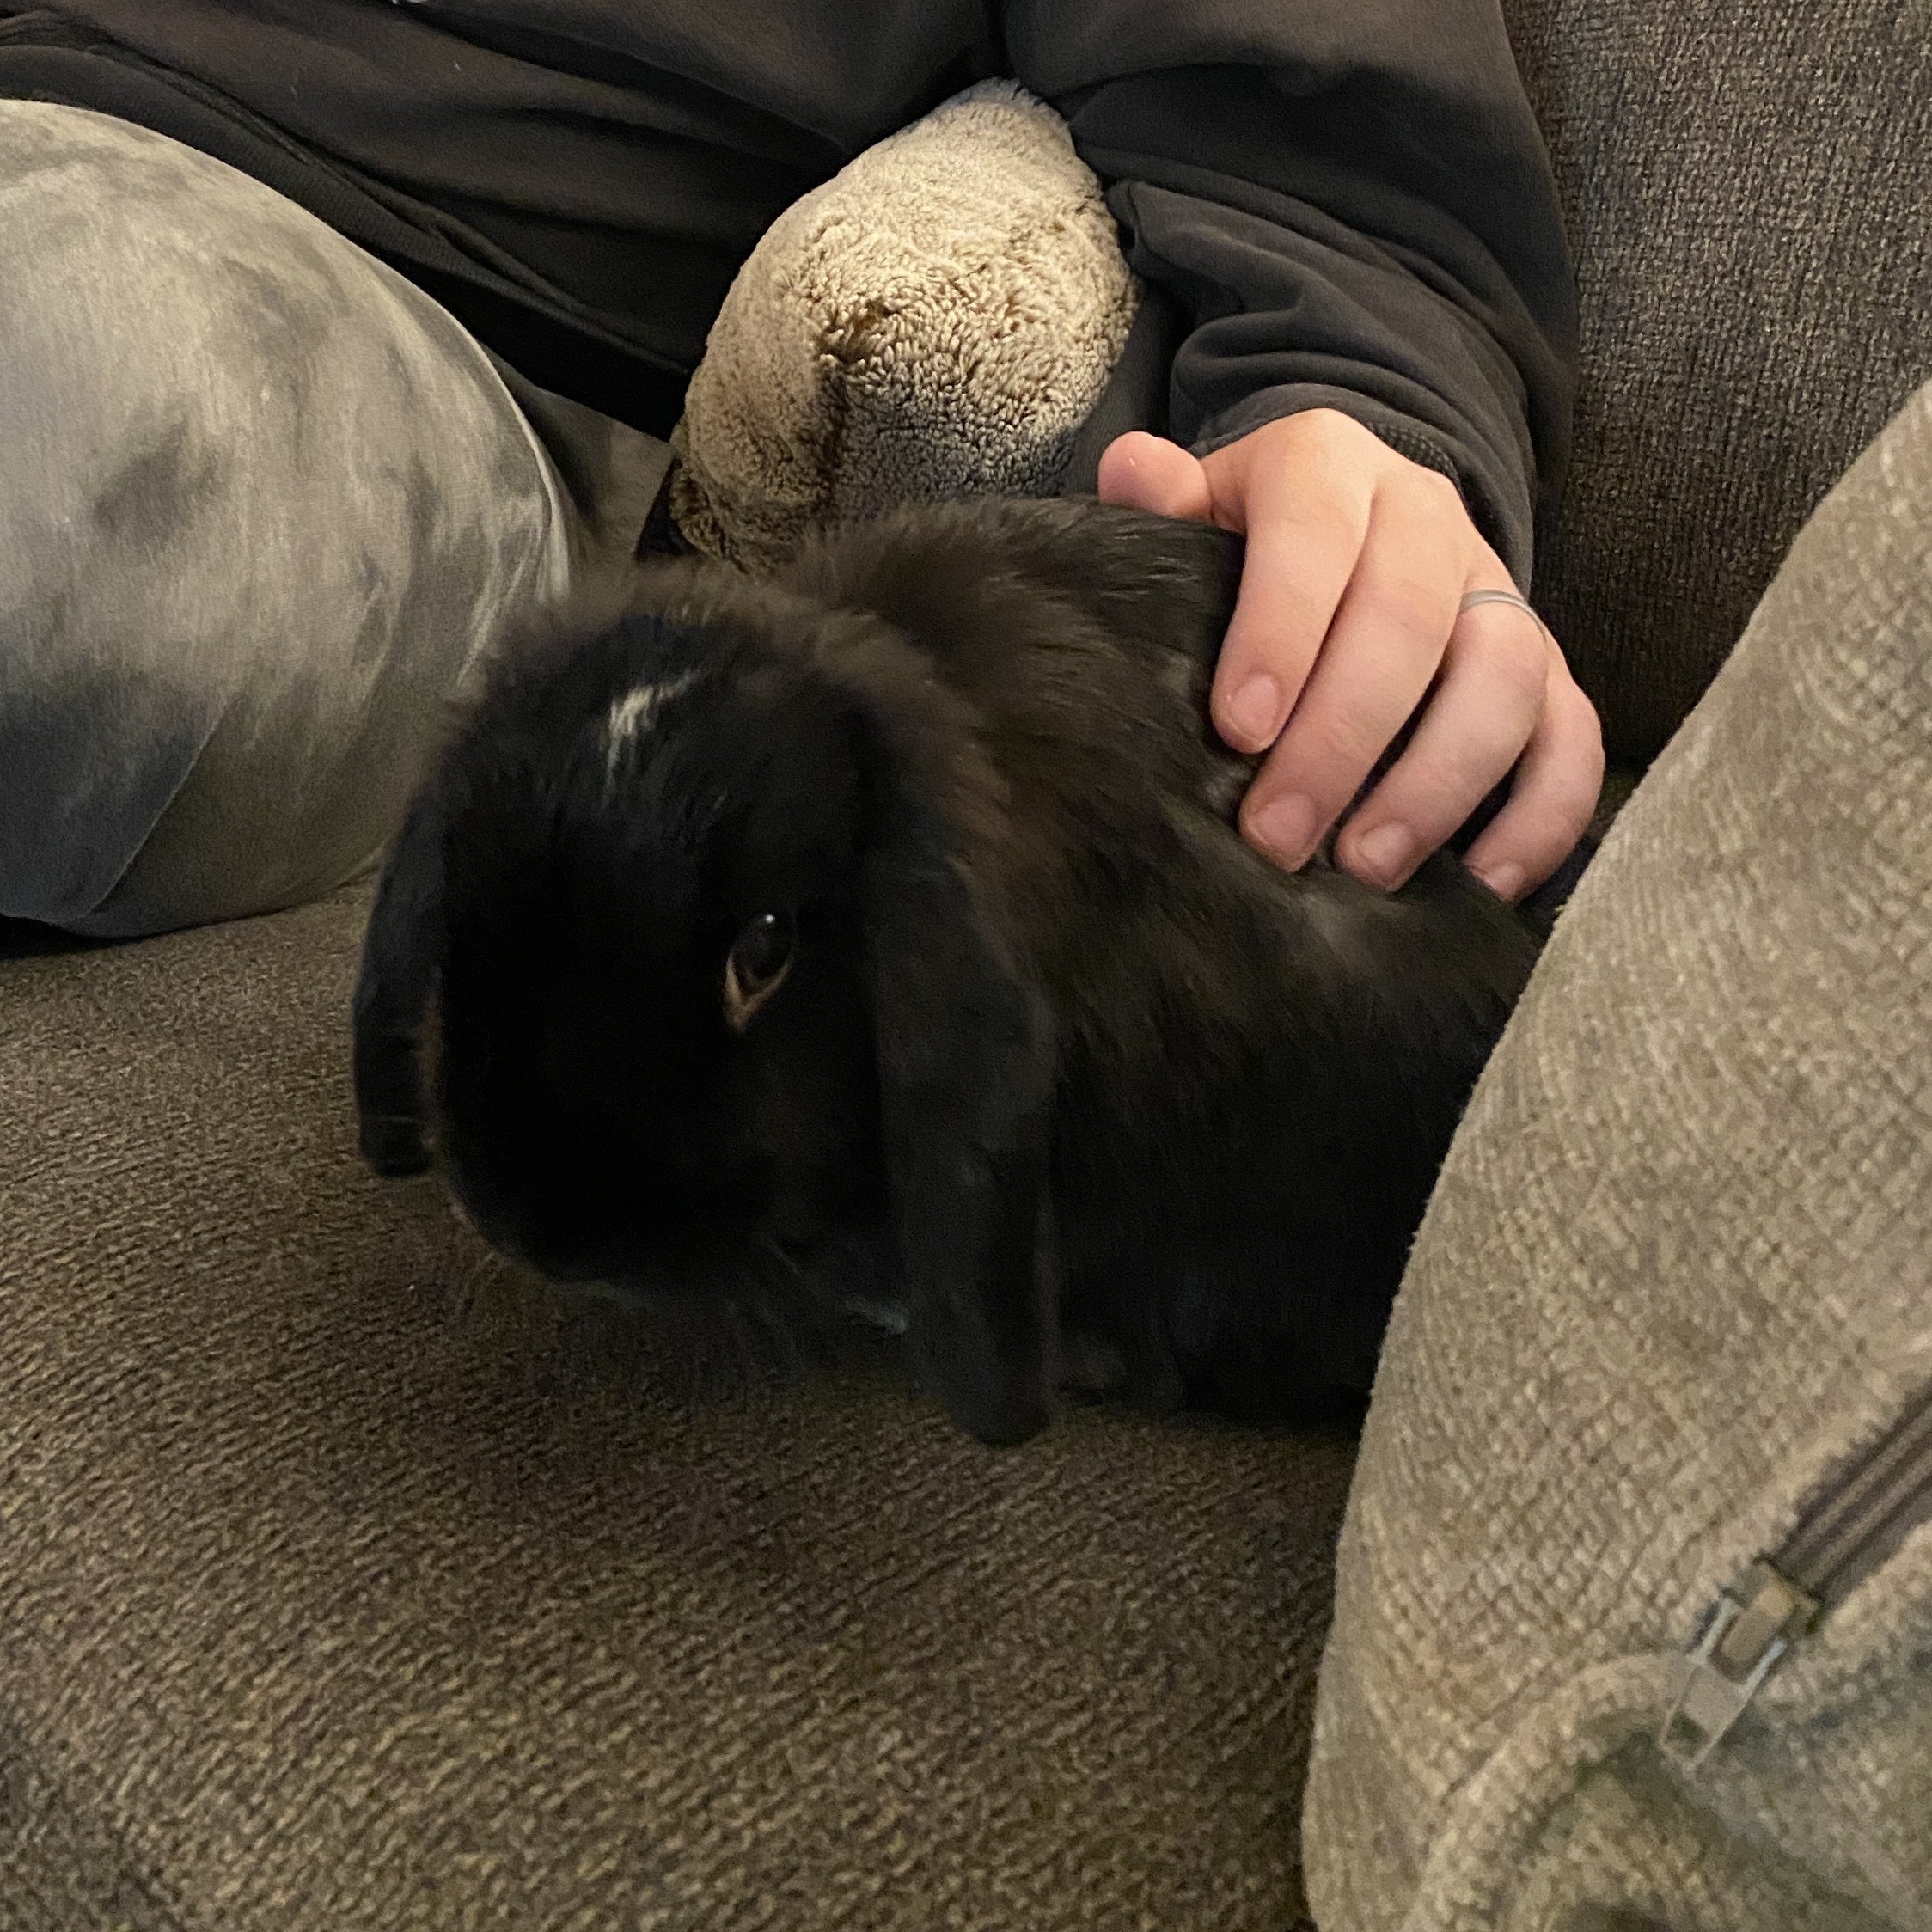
[901,894]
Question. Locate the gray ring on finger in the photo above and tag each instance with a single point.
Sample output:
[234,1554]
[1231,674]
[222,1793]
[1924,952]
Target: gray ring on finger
[1472,598]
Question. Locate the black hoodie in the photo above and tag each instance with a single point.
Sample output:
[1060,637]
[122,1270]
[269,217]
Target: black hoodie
[1340,202]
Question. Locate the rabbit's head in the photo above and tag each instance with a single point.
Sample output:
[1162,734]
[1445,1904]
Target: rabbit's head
[699,902]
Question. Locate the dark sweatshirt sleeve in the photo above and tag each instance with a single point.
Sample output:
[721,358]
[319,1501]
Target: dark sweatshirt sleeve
[1350,204]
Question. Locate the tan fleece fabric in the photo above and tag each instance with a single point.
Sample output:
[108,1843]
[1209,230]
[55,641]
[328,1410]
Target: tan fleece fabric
[1677,1273]
[937,321]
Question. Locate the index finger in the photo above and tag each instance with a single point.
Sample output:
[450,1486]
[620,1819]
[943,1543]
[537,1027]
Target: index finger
[1302,547]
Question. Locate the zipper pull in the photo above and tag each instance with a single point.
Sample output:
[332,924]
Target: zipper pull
[1751,1626]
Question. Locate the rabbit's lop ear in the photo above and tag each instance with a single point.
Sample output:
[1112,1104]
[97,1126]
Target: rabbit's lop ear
[965,1077]
[401,946]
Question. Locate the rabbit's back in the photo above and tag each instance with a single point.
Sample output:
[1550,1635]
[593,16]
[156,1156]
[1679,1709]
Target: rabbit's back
[1260,1072]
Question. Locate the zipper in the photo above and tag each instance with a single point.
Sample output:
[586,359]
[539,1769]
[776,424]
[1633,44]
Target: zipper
[1746,1633]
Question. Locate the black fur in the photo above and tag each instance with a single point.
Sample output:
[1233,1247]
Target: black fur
[1113,1087]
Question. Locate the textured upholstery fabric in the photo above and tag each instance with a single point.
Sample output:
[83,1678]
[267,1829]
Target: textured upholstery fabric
[335,1593]
[939,320]
[1747,191]
[1677,1275]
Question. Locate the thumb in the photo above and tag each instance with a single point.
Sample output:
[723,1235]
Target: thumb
[1146,472]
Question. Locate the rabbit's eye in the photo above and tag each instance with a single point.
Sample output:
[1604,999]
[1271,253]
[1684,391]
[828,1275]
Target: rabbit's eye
[756,967]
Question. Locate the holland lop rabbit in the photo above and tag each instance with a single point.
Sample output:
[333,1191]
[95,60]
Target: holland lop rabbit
[898,901]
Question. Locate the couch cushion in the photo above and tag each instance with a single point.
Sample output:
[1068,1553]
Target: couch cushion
[1747,191]
[1673,1289]
[345,1580]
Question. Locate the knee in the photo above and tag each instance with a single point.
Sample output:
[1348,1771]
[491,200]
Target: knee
[255,484]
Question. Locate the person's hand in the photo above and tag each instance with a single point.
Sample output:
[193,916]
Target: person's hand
[1348,621]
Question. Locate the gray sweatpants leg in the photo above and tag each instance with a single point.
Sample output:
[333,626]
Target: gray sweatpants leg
[263,507]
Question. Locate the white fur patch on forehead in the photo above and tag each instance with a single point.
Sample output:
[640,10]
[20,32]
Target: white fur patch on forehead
[631,715]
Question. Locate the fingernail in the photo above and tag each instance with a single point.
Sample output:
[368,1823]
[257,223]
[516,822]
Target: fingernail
[1285,828]
[1383,854]
[1504,879]
[1254,713]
